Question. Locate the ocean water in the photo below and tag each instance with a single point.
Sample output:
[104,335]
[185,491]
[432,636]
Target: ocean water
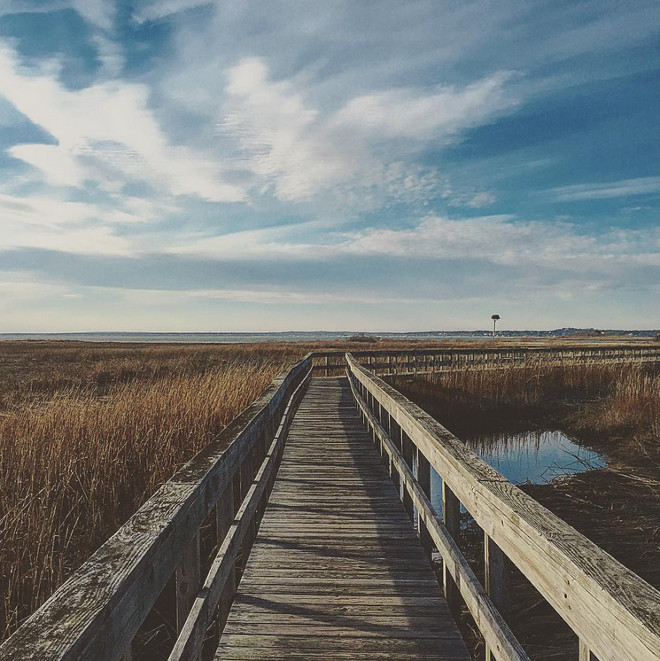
[226,338]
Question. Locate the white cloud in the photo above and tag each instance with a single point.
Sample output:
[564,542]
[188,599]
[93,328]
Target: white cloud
[506,241]
[285,142]
[272,296]
[22,287]
[473,200]
[302,151]
[74,227]
[423,115]
[534,246]
[624,188]
[158,9]
[107,134]
[98,12]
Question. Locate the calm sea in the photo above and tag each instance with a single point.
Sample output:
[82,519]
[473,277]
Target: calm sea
[232,338]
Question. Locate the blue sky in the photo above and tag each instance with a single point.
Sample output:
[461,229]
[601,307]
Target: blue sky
[181,165]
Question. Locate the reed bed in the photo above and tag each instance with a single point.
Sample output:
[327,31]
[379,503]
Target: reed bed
[608,400]
[88,434]
[613,409]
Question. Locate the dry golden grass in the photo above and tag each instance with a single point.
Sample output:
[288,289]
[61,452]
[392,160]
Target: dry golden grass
[613,408]
[88,433]
[610,399]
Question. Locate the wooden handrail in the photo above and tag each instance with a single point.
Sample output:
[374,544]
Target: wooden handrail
[96,613]
[650,348]
[424,360]
[494,629]
[189,643]
[615,614]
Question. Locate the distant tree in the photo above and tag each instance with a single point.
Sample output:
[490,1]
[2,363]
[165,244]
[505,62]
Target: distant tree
[657,337]
[364,339]
[495,318]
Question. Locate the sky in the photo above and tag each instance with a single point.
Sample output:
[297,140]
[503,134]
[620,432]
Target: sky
[232,165]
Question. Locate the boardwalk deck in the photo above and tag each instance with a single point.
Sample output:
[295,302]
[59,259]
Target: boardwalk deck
[337,571]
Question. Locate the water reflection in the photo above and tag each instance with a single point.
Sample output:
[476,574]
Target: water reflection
[535,456]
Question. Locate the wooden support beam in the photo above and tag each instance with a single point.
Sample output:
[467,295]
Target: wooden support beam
[224,513]
[188,581]
[397,440]
[424,479]
[496,582]
[407,449]
[584,653]
[451,517]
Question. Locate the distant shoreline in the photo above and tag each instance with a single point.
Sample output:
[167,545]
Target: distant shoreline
[310,336]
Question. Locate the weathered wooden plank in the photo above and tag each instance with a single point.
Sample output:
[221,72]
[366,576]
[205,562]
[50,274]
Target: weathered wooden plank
[610,608]
[243,653]
[442,648]
[96,613]
[336,557]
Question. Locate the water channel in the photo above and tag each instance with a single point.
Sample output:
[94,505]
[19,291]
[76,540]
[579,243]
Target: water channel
[533,456]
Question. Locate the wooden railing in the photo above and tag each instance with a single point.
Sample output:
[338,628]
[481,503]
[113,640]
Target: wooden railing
[420,361]
[97,612]
[615,614]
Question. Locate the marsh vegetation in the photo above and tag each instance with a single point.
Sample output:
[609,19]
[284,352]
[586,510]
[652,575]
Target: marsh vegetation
[88,433]
[610,410]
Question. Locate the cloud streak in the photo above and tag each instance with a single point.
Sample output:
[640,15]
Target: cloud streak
[105,134]
[300,151]
[607,191]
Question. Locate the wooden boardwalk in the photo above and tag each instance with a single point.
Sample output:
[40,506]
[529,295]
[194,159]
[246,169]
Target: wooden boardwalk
[337,571]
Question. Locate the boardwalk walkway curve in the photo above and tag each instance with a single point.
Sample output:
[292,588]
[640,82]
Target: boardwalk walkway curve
[327,480]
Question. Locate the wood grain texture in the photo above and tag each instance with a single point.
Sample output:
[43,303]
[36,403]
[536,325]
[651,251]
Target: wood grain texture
[337,571]
[456,570]
[95,614]
[613,611]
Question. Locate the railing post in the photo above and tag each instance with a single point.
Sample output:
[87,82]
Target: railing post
[247,477]
[224,515]
[188,581]
[407,452]
[585,654]
[327,362]
[451,518]
[496,581]
[396,437]
[424,479]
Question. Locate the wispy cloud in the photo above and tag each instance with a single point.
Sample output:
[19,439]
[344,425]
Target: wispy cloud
[76,227]
[508,241]
[105,134]
[535,246]
[301,151]
[625,188]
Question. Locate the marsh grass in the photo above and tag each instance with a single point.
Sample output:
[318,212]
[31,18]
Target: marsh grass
[614,409]
[610,400]
[88,434]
